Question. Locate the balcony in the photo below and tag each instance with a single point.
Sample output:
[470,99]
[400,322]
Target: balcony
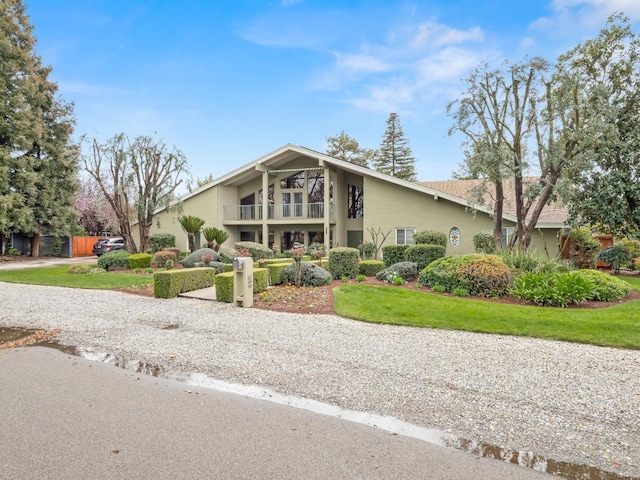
[292,211]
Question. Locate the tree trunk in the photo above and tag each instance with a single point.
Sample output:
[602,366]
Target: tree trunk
[35,245]
[3,242]
[498,207]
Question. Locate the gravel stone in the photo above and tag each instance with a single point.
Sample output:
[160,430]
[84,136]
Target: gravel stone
[569,402]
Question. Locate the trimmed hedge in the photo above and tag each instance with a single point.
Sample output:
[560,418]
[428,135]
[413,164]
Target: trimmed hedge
[171,283]
[160,241]
[224,284]
[190,260]
[256,249]
[118,258]
[369,268]
[424,253]
[275,272]
[139,260]
[430,237]
[310,275]
[392,254]
[343,262]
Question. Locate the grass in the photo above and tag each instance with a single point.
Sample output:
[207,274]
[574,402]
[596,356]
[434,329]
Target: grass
[58,277]
[616,326]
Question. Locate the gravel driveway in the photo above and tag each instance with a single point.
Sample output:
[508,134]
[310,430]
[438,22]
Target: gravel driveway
[566,402]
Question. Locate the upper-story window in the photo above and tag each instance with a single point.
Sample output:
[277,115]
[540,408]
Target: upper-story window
[355,202]
[294,181]
[315,187]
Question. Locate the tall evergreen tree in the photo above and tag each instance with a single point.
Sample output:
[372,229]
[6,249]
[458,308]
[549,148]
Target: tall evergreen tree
[394,157]
[37,165]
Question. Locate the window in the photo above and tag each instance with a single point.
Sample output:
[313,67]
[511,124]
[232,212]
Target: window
[355,202]
[247,207]
[507,233]
[404,236]
[269,201]
[454,236]
[294,181]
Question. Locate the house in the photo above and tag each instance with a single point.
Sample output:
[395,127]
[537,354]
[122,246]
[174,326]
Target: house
[295,194]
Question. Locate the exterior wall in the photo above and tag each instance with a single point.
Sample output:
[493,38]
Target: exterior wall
[388,206]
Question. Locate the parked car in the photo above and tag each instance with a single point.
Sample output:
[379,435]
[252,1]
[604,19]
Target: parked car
[104,245]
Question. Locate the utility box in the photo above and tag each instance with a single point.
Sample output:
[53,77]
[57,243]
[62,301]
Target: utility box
[243,281]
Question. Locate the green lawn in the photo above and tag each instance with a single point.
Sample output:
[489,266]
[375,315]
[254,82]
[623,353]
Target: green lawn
[58,277]
[617,326]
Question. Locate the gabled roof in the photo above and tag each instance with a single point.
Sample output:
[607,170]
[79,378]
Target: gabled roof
[552,215]
[277,158]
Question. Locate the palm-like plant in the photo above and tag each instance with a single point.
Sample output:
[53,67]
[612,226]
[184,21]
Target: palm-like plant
[215,235]
[192,226]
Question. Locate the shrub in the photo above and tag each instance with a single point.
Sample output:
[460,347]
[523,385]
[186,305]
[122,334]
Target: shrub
[179,254]
[169,264]
[315,246]
[310,274]
[392,254]
[118,258]
[343,261]
[370,267]
[275,272]
[431,237]
[583,248]
[171,283]
[227,254]
[408,271]
[438,289]
[632,246]
[486,276]
[461,292]
[79,269]
[423,254]
[224,287]
[552,289]
[532,261]
[616,256]
[606,288]
[636,263]
[367,250]
[139,260]
[361,278]
[483,242]
[149,271]
[444,271]
[196,257]
[257,250]
[96,271]
[217,266]
[160,241]
[160,258]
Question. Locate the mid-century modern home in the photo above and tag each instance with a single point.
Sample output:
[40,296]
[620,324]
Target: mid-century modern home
[297,195]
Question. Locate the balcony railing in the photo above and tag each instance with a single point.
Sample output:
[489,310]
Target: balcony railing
[277,212]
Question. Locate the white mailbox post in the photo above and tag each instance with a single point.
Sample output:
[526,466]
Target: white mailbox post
[243,281]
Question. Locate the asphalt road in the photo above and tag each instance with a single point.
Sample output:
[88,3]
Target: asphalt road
[64,417]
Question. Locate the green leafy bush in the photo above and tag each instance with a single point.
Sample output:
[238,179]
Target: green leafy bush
[257,250]
[171,283]
[139,260]
[461,292]
[96,271]
[408,271]
[367,249]
[224,284]
[431,237]
[343,261]
[169,264]
[632,246]
[117,258]
[275,272]
[424,253]
[160,258]
[227,254]
[310,274]
[583,247]
[392,254]
[361,278]
[532,261]
[486,276]
[606,288]
[370,267]
[196,257]
[552,289]
[160,241]
[217,266]
[79,269]
[316,246]
[444,271]
[483,242]
[616,256]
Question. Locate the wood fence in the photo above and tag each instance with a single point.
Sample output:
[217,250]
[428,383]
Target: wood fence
[83,246]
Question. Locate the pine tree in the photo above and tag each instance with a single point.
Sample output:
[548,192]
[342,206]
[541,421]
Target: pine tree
[394,157]
[37,166]
[347,148]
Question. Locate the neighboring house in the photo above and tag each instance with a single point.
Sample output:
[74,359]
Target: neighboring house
[284,197]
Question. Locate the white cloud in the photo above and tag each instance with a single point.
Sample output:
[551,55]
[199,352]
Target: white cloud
[434,35]
[361,63]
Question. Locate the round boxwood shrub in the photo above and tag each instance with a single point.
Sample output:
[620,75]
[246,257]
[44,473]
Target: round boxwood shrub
[423,254]
[431,237]
[392,254]
[196,257]
[139,260]
[257,250]
[487,276]
[408,271]
[606,288]
[310,274]
[79,269]
[369,268]
[444,271]
[118,258]
[343,262]
[227,254]
[483,242]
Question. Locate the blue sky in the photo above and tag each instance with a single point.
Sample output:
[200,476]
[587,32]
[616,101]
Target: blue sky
[228,81]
